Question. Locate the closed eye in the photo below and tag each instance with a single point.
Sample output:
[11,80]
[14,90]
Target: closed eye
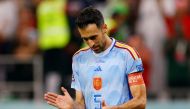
[93,37]
[90,38]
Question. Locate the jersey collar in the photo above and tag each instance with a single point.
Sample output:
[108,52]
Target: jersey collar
[106,51]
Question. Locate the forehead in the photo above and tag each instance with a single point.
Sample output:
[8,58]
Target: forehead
[89,30]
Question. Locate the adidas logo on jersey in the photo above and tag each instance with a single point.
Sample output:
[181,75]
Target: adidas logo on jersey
[98,69]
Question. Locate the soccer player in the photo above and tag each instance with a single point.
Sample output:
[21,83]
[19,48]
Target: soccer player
[106,75]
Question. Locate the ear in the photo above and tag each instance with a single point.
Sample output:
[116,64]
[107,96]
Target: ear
[104,28]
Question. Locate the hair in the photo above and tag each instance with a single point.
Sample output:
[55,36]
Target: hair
[89,15]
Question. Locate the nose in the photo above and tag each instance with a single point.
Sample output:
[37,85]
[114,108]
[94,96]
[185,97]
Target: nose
[90,43]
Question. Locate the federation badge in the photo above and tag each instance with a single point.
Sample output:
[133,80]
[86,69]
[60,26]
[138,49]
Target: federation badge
[139,67]
[97,83]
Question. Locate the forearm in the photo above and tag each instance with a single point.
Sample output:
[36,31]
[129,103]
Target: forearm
[134,103]
[138,91]
[138,101]
[74,105]
[77,105]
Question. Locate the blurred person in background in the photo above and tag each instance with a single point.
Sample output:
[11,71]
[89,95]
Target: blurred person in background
[54,37]
[117,23]
[123,17]
[73,8]
[24,48]
[177,46]
[138,43]
[26,38]
[133,14]
[150,25]
[8,24]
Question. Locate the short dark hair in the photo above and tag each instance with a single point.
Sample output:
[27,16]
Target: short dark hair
[89,15]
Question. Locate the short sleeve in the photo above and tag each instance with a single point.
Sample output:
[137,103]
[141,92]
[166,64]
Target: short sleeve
[133,64]
[75,84]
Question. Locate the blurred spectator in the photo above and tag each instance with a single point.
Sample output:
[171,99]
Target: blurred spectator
[122,22]
[54,36]
[73,8]
[150,24]
[8,23]
[177,45]
[117,23]
[24,47]
[26,38]
[133,16]
[137,42]
[93,2]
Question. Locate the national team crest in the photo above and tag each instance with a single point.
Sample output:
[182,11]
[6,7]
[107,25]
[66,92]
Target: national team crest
[97,83]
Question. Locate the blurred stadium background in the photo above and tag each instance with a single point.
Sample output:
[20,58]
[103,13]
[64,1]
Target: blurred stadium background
[39,37]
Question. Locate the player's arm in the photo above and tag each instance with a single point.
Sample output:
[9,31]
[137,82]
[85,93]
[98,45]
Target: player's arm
[79,101]
[138,91]
[65,101]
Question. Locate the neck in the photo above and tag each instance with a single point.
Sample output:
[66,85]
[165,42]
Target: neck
[107,42]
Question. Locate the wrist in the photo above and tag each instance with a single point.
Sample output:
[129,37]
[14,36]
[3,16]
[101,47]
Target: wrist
[115,107]
[73,105]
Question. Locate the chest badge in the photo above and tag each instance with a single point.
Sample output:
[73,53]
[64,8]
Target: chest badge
[97,82]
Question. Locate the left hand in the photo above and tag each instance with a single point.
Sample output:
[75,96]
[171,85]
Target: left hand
[60,101]
[105,106]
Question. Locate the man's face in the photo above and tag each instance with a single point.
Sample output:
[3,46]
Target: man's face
[94,37]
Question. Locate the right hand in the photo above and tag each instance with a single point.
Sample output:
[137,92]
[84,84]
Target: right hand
[60,101]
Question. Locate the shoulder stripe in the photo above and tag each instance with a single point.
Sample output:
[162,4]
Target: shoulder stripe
[137,53]
[82,49]
[130,49]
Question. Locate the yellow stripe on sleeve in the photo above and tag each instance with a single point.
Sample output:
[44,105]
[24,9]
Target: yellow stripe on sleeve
[82,49]
[129,48]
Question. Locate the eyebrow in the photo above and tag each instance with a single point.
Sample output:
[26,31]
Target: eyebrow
[90,37]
